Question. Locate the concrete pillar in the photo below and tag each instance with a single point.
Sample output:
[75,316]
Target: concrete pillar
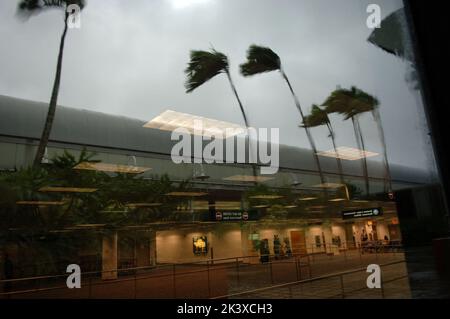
[245,241]
[350,244]
[153,248]
[328,236]
[109,256]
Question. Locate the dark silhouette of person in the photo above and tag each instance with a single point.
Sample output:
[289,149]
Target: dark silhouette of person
[8,273]
[287,247]
[276,246]
[264,251]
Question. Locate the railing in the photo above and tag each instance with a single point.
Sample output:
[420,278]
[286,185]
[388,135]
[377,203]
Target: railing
[294,289]
[202,279]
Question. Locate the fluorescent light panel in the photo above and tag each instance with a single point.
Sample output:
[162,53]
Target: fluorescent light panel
[329,185]
[337,200]
[135,205]
[348,153]
[171,120]
[67,189]
[115,168]
[266,197]
[307,198]
[40,203]
[191,194]
[247,178]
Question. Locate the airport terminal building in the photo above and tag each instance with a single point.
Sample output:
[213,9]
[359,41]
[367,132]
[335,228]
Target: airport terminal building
[225,212]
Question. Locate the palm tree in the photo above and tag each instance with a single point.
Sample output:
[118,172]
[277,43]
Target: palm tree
[319,117]
[27,8]
[352,103]
[205,65]
[262,59]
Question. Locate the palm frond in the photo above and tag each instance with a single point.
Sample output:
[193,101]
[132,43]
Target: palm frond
[203,66]
[29,7]
[259,60]
[318,117]
[350,102]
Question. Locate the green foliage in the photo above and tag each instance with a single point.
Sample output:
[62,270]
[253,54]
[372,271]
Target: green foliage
[259,60]
[350,102]
[203,66]
[114,193]
[318,117]
[37,5]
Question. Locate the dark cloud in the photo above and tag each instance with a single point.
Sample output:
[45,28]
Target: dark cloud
[128,58]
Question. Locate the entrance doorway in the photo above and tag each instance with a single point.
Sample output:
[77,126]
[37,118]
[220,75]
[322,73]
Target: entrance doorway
[298,241]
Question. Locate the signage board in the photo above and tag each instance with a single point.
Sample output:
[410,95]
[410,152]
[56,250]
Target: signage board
[232,215]
[362,213]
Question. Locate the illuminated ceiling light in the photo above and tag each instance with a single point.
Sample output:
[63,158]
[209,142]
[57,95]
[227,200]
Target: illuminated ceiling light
[260,206]
[307,198]
[329,185]
[135,226]
[224,204]
[89,225]
[247,178]
[68,189]
[201,177]
[40,203]
[348,153]
[290,206]
[171,120]
[191,194]
[114,168]
[337,200]
[135,205]
[266,197]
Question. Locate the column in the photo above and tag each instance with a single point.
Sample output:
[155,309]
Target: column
[109,256]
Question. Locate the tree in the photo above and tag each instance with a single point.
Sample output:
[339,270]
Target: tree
[319,117]
[202,67]
[352,103]
[27,8]
[262,59]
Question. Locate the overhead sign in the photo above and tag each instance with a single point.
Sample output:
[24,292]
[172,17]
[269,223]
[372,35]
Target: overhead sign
[235,215]
[362,213]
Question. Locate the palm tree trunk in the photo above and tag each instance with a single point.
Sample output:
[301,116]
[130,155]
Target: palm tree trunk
[308,133]
[387,172]
[361,146]
[338,159]
[53,101]
[247,125]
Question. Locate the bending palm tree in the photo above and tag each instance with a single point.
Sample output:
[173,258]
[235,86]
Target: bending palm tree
[262,59]
[319,117]
[352,103]
[26,8]
[205,65]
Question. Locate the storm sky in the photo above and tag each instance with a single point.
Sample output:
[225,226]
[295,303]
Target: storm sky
[128,59]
